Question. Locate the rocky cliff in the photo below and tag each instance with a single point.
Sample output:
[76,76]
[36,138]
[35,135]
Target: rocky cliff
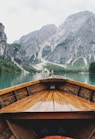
[34,42]
[73,42]
[3,41]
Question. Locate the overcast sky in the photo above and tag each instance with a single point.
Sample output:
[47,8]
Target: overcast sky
[21,17]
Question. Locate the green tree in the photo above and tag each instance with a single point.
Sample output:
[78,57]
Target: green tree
[92,67]
[7,66]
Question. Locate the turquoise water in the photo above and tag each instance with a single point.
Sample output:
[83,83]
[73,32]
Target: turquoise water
[7,80]
[81,77]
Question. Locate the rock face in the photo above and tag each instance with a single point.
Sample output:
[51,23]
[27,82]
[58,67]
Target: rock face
[3,41]
[73,42]
[34,42]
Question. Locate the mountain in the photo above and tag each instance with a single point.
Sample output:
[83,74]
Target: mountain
[75,40]
[3,41]
[6,64]
[34,42]
[72,43]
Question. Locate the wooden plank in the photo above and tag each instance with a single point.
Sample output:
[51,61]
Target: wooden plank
[20,131]
[50,115]
[62,102]
[16,96]
[78,102]
[58,102]
[81,84]
[50,101]
[23,104]
[14,133]
[28,90]
[53,79]
[16,87]
[44,103]
[85,131]
[37,100]
[26,104]
[1,103]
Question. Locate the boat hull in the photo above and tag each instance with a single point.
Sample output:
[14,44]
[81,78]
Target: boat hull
[42,108]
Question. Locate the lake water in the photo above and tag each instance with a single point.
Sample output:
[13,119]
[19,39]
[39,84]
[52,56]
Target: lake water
[7,80]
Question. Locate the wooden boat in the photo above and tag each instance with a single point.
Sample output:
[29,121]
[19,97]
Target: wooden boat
[50,108]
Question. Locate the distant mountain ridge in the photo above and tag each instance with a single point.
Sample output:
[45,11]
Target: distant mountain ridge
[73,42]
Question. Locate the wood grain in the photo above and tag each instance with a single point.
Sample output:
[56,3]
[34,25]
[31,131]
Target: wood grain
[50,100]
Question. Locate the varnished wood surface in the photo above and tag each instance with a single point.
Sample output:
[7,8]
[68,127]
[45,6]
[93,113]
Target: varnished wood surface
[89,86]
[50,101]
[16,87]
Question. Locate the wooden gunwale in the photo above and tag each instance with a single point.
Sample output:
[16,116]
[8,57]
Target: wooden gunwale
[49,115]
[21,94]
[16,87]
[88,86]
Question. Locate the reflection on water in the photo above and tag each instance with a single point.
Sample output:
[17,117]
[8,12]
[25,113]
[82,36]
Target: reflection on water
[7,80]
[81,77]
[92,79]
